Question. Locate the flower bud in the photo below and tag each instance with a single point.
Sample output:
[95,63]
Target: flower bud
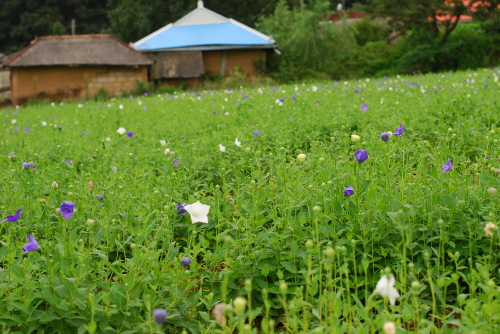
[90,222]
[309,244]
[283,287]
[329,252]
[301,157]
[218,312]
[239,304]
[492,192]
[55,185]
[355,138]
[488,228]
[317,209]
[390,327]
[160,315]
[248,285]
[185,261]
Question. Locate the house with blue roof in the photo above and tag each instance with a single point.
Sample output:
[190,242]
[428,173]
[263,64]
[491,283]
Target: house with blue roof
[204,42]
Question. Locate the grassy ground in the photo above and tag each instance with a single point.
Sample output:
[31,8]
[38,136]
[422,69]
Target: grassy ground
[281,233]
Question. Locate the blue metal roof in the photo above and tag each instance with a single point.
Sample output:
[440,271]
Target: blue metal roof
[202,34]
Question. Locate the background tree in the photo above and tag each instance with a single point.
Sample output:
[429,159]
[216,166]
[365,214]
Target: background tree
[22,20]
[309,46]
[405,16]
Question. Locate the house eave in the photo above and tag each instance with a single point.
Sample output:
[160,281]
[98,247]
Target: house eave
[213,48]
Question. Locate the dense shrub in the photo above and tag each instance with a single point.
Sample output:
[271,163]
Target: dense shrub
[312,48]
[309,46]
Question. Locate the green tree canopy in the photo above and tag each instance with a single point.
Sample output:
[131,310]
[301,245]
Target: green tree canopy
[22,20]
[408,15]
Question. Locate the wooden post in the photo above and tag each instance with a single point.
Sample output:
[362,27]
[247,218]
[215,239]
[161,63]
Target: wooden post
[73,26]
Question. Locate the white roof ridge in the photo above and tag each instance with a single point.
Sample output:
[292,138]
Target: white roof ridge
[148,37]
[197,10]
[253,31]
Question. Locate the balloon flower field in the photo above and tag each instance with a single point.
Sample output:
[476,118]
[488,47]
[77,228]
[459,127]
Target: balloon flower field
[364,206]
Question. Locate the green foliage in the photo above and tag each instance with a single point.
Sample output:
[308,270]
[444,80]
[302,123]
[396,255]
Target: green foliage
[367,30]
[101,95]
[307,43]
[281,233]
[143,87]
[21,21]
[469,47]
[58,29]
[235,79]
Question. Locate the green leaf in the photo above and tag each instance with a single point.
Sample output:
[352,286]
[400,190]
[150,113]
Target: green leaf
[205,316]
[289,266]
[117,295]
[264,269]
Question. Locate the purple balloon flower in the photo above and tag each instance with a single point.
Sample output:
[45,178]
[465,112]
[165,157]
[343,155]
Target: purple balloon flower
[175,162]
[385,136]
[185,261]
[31,246]
[180,207]
[256,133]
[130,134]
[294,98]
[447,166]
[400,130]
[84,133]
[361,155]
[27,130]
[160,315]
[99,197]
[25,165]
[364,107]
[13,218]
[356,91]
[15,112]
[67,209]
[69,161]
[348,191]
[144,107]
[12,154]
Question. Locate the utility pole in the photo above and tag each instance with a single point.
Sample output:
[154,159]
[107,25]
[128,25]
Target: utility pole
[73,26]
